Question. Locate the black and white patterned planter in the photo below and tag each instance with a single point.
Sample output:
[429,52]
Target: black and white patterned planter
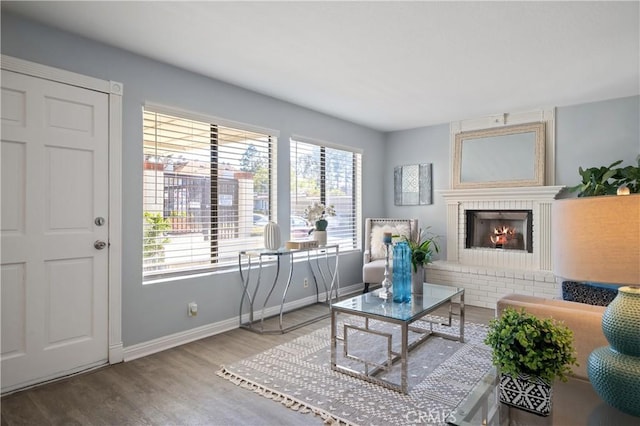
[529,393]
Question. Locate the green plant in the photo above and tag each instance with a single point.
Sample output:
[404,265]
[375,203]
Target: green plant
[421,248]
[606,180]
[525,344]
[154,240]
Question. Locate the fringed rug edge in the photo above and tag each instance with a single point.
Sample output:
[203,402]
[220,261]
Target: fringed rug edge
[286,400]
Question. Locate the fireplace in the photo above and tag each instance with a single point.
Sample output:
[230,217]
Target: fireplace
[525,211]
[499,230]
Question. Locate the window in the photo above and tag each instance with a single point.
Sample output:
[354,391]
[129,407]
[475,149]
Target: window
[209,189]
[329,175]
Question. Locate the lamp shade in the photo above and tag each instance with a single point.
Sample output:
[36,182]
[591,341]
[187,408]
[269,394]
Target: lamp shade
[597,239]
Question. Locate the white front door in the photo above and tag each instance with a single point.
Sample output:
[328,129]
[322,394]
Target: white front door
[55,177]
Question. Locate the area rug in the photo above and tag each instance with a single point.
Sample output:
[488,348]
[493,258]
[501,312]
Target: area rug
[298,374]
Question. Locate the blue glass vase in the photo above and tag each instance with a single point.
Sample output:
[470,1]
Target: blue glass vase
[401,272]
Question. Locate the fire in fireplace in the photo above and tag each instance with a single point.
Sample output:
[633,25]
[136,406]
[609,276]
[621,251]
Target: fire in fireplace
[499,229]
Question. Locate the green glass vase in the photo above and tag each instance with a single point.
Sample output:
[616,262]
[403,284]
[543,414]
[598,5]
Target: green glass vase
[321,225]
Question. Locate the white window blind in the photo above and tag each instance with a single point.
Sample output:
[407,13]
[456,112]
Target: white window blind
[209,189]
[329,175]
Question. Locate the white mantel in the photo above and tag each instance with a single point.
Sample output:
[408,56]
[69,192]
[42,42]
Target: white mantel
[543,193]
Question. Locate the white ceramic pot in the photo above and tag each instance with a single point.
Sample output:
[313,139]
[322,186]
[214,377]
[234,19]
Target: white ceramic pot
[272,237]
[320,237]
[417,279]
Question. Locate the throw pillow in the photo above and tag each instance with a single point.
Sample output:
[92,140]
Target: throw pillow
[589,293]
[377,247]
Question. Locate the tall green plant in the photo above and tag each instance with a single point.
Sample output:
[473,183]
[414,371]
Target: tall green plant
[606,180]
[422,248]
[154,239]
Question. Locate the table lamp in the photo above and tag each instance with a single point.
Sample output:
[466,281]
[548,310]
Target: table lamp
[597,239]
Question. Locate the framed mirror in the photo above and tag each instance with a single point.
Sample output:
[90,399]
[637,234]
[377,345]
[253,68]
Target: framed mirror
[500,157]
[412,185]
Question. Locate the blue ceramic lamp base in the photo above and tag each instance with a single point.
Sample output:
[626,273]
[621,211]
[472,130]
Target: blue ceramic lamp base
[614,371]
[616,378]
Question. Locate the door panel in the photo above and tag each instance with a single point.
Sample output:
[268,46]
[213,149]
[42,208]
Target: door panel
[13,310]
[13,186]
[66,289]
[54,153]
[67,211]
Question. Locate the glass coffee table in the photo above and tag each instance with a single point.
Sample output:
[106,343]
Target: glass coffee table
[368,364]
[575,402]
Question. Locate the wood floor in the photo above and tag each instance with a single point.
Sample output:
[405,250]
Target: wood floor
[174,387]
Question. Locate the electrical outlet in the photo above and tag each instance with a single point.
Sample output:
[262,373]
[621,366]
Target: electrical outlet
[192,309]
[306,282]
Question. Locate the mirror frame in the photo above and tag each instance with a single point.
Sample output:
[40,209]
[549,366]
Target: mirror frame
[538,161]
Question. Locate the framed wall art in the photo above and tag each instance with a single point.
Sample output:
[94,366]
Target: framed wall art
[412,185]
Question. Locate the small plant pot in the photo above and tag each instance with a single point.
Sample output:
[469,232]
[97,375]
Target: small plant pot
[321,225]
[320,237]
[529,393]
[417,280]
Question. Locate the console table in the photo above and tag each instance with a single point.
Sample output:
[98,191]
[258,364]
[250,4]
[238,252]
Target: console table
[323,272]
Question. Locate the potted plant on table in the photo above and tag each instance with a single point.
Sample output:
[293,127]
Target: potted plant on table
[530,353]
[422,249]
[316,214]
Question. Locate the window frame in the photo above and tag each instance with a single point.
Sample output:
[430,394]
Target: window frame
[228,260]
[356,187]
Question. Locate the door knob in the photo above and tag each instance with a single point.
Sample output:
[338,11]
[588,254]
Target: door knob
[99,244]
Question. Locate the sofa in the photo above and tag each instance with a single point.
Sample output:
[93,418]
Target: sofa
[583,319]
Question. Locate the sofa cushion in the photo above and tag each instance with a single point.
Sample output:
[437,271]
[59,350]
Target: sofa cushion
[373,272]
[589,293]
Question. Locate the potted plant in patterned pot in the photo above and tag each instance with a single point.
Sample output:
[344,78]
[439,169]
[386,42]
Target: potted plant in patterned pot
[530,353]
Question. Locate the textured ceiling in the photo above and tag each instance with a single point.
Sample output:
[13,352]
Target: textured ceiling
[386,65]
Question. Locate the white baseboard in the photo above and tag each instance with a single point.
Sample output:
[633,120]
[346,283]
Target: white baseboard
[172,340]
[116,353]
[160,344]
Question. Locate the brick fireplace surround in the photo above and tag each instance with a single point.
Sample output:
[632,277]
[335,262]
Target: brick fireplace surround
[488,274]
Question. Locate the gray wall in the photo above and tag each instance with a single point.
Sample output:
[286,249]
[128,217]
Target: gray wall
[596,134]
[587,135]
[156,310]
[422,145]
[591,134]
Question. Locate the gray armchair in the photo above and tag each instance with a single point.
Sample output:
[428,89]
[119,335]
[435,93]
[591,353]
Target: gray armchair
[374,248]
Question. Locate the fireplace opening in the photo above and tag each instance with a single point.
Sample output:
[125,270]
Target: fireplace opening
[499,229]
